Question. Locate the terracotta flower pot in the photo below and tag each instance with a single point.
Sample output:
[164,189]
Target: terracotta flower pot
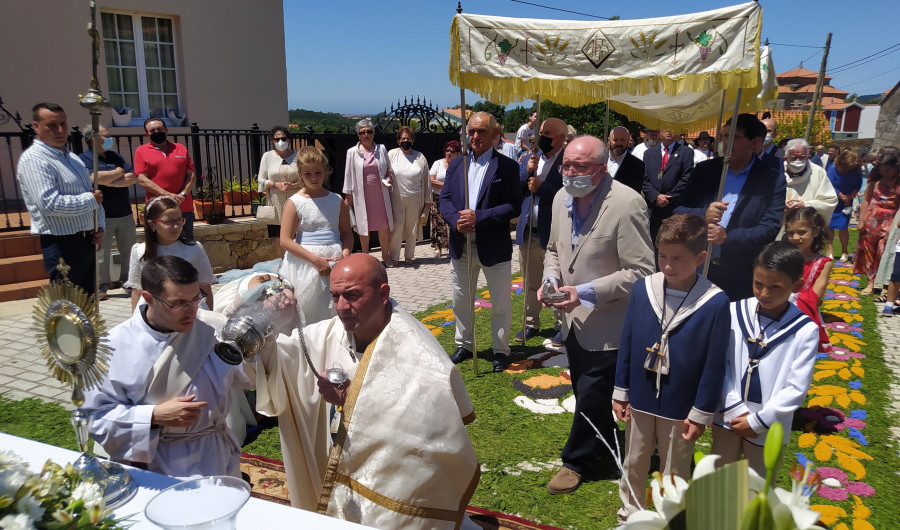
[209,210]
[236,197]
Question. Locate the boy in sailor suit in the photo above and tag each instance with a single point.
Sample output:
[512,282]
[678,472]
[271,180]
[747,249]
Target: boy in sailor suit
[770,358]
[671,359]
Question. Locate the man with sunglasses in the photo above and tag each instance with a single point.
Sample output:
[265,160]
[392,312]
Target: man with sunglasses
[163,404]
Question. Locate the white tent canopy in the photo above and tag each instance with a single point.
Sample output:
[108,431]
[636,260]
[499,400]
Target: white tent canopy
[671,70]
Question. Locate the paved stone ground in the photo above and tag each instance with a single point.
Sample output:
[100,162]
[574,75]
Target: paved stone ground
[889,329]
[24,373]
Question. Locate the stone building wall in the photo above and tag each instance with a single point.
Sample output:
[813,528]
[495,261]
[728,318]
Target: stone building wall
[887,129]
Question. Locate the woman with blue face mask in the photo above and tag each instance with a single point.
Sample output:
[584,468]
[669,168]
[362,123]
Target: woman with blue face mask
[116,175]
[278,175]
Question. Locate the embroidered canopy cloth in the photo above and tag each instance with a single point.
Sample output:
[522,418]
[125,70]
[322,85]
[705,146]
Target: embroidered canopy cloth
[668,70]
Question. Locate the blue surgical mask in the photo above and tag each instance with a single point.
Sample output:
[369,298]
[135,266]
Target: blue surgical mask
[107,144]
[579,185]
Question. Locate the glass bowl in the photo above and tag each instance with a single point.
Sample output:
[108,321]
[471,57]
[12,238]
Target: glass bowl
[205,503]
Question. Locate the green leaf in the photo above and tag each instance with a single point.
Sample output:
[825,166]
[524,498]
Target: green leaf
[718,500]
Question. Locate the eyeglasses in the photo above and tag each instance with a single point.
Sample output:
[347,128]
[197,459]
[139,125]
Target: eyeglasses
[279,138]
[169,223]
[366,131]
[578,169]
[452,152]
[180,306]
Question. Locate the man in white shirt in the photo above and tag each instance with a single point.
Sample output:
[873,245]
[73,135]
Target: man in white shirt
[524,134]
[651,140]
[624,166]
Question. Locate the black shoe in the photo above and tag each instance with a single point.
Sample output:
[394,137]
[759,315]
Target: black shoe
[501,362]
[529,333]
[460,355]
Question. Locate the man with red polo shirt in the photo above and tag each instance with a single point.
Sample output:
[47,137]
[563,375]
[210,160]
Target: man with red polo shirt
[165,168]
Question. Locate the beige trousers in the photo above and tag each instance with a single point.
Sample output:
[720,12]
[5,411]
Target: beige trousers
[406,212]
[730,447]
[535,258]
[644,433]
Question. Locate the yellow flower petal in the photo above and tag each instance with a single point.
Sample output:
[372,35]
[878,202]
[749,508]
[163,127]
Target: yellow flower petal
[821,401]
[859,524]
[843,400]
[830,514]
[823,452]
[851,464]
[807,439]
[860,510]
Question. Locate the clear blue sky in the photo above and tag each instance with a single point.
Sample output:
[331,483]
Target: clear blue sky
[354,56]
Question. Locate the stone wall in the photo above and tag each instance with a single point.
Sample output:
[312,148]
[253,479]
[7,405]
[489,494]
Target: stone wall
[887,129]
[235,244]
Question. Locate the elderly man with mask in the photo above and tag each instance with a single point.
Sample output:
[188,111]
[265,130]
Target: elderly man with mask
[807,183]
[541,180]
[116,175]
[624,166]
[401,457]
[769,145]
[599,246]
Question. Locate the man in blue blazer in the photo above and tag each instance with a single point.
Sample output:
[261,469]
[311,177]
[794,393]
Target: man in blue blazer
[494,200]
[748,216]
[539,174]
[664,183]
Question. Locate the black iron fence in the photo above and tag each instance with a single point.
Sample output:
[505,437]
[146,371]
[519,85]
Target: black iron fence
[227,160]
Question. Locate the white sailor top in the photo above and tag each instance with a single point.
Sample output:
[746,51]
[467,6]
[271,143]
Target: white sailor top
[769,367]
[694,350]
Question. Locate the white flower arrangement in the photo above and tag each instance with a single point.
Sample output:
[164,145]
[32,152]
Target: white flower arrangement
[721,498]
[56,498]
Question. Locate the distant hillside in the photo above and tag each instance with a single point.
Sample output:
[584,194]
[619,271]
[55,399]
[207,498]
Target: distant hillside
[320,121]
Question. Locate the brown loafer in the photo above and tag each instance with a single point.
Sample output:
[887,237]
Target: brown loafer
[565,481]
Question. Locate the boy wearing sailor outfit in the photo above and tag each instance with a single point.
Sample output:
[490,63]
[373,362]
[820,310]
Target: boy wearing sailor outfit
[770,359]
[671,364]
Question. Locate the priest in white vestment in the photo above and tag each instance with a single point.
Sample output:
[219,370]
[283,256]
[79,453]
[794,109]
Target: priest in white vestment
[164,401]
[402,457]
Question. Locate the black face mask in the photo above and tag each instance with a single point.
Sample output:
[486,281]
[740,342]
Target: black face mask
[545,144]
[158,137]
[406,146]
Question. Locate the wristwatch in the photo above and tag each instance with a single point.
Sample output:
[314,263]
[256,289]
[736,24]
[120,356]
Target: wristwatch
[183,194]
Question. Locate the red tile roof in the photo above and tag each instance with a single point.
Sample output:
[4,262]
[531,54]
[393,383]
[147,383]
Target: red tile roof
[809,89]
[800,72]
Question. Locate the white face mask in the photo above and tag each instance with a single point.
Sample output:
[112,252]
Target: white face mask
[579,185]
[721,147]
[769,138]
[281,145]
[652,143]
[797,166]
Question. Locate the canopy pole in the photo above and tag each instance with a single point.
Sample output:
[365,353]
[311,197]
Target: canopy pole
[713,148]
[606,125]
[725,162]
[525,259]
[464,147]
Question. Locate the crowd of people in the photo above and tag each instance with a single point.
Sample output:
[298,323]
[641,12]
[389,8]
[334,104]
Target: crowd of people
[611,236]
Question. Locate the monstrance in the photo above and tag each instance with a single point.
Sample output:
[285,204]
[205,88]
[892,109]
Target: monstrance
[77,353]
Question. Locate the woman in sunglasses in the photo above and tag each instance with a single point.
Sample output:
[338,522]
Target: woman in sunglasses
[367,182]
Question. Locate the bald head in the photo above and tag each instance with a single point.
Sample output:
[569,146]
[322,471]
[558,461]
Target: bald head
[771,129]
[618,141]
[361,266]
[483,131]
[589,147]
[555,129]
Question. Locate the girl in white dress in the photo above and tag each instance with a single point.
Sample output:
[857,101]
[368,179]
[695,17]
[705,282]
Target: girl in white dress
[163,237]
[315,234]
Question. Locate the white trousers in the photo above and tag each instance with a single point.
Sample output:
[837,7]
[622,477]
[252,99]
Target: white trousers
[406,225]
[499,279]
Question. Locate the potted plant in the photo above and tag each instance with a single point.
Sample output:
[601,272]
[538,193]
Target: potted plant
[209,205]
[236,193]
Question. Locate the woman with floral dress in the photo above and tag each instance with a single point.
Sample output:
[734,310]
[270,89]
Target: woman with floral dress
[883,201]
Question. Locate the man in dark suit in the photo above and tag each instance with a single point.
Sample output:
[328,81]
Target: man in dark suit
[666,175]
[539,174]
[493,201]
[749,213]
[623,166]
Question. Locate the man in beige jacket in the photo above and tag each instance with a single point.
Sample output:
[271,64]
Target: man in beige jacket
[599,246]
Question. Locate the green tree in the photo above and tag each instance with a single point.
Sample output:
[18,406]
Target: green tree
[516,117]
[498,111]
[796,128]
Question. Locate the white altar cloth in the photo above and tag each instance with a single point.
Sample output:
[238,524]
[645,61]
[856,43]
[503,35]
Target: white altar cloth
[257,513]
